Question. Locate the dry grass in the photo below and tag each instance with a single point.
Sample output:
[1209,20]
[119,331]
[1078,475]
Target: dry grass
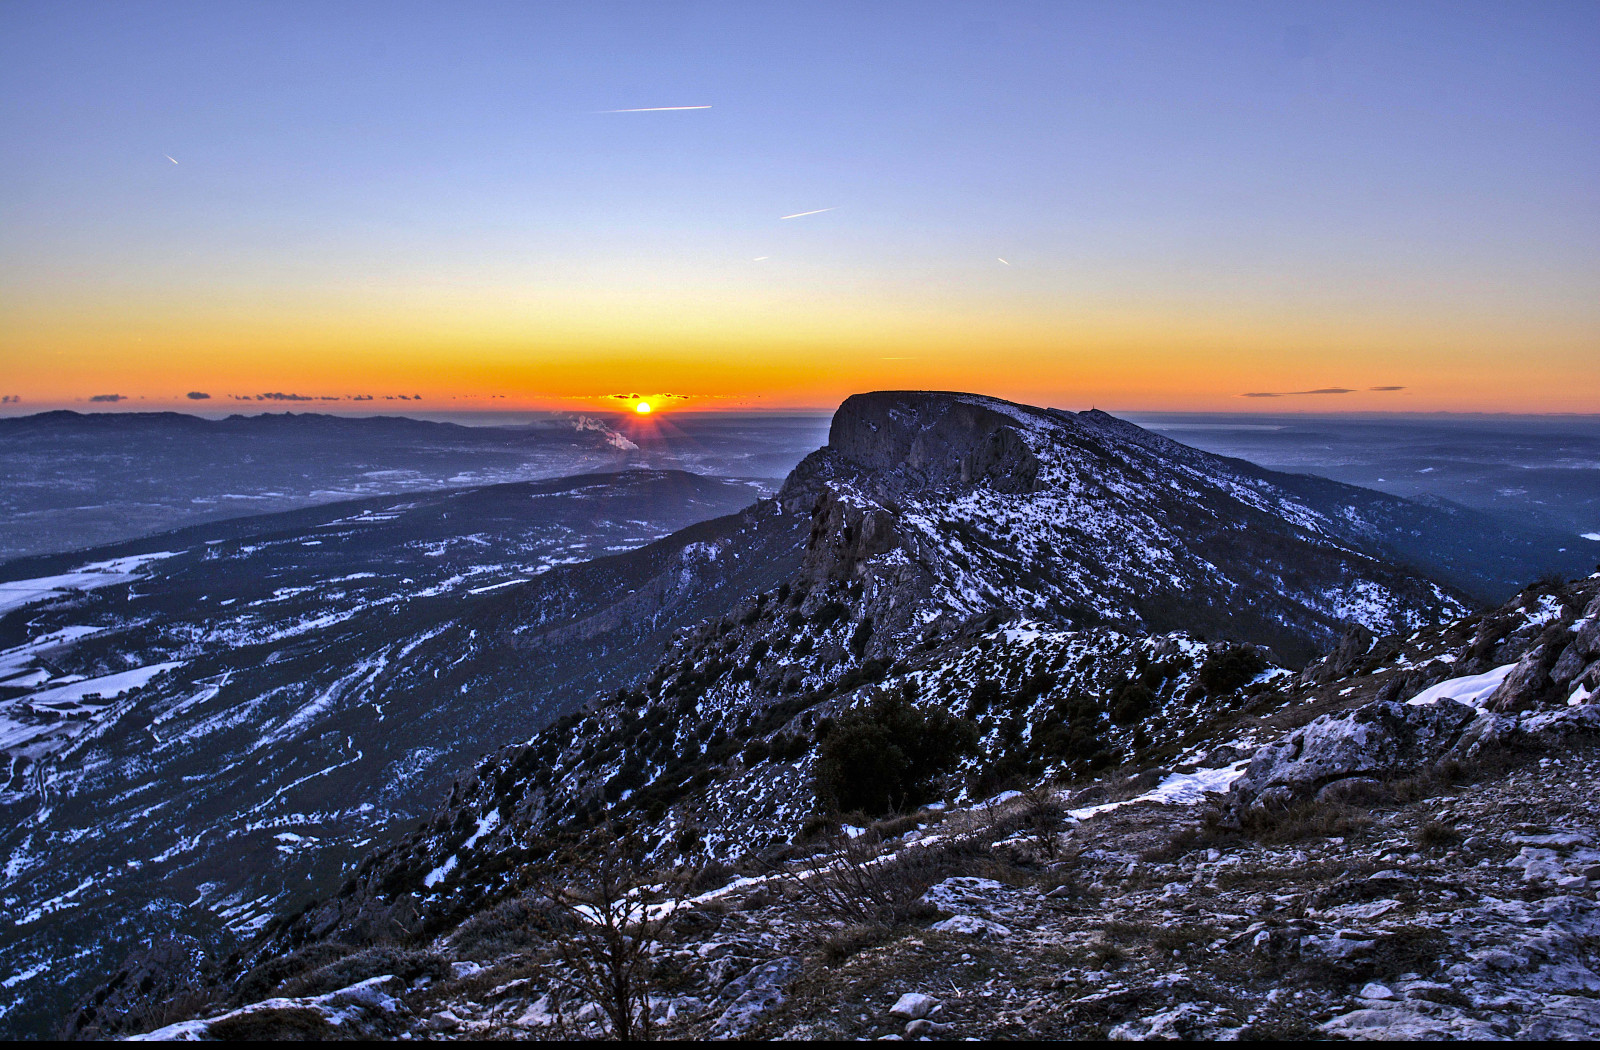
[842,944]
[1306,820]
[1436,835]
[282,1023]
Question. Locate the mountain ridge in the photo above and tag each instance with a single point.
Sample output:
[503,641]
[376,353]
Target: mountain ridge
[944,547]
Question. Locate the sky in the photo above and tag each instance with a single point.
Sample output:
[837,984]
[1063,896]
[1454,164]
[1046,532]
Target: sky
[1135,206]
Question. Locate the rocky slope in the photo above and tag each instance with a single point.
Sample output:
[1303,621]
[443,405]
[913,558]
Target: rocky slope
[1439,883]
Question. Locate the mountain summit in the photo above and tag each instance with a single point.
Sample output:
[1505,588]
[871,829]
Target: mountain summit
[957,504]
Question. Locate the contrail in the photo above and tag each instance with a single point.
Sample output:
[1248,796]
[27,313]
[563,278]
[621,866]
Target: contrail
[760,257]
[1002,260]
[169,158]
[798,214]
[652,109]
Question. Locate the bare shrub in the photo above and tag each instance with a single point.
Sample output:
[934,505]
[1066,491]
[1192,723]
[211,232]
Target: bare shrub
[860,884]
[608,912]
[1042,815]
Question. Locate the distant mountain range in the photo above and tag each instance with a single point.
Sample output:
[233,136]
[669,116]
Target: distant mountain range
[74,481]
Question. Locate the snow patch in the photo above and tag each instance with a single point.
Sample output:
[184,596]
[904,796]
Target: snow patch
[1470,689]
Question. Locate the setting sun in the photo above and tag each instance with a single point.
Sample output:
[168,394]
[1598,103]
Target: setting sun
[643,408]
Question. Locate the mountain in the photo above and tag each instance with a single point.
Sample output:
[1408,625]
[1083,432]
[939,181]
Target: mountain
[1079,591]
[74,481]
[199,728]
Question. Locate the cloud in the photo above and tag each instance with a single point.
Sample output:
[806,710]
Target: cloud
[652,397]
[361,397]
[196,395]
[1320,390]
[108,397]
[283,397]
[643,109]
[1297,393]
[10,399]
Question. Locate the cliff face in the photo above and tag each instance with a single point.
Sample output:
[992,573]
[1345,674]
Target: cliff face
[956,504]
[924,440]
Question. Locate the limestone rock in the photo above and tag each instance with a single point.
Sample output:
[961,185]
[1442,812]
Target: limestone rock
[754,995]
[913,1005]
[1377,738]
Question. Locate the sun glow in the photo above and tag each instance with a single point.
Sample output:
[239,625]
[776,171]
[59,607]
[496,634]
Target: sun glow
[643,408]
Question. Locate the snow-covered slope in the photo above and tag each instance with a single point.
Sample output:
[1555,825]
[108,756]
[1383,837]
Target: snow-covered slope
[1080,590]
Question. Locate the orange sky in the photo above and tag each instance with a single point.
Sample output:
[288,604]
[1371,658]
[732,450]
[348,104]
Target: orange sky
[768,353]
[1131,206]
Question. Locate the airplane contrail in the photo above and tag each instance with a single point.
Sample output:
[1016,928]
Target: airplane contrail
[652,109]
[760,257]
[798,214]
[1002,260]
[169,158]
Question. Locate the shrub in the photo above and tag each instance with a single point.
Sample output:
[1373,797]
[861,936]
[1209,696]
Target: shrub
[985,695]
[829,613]
[264,980]
[1230,668]
[861,636]
[1306,820]
[505,928]
[858,884]
[1133,701]
[885,757]
[757,752]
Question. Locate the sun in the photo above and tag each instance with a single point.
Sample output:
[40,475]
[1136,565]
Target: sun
[643,408]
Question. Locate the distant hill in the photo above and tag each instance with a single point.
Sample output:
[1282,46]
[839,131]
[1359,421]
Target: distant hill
[71,480]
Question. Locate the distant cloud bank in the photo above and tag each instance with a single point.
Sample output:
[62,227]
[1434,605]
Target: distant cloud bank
[276,395]
[1320,390]
[196,395]
[108,398]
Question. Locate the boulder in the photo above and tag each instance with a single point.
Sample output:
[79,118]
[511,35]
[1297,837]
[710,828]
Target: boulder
[754,995]
[1379,738]
[1528,683]
[971,926]
[913,1005]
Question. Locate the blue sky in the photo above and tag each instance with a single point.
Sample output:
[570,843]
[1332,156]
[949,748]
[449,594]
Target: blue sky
[1145,170]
